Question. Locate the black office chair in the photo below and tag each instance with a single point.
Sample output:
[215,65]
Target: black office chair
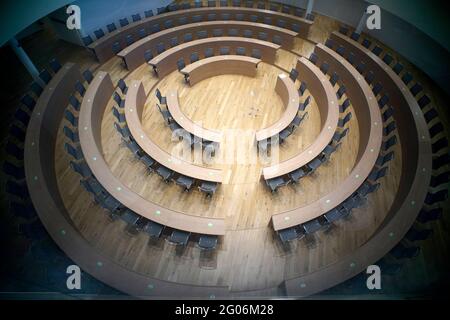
[14,171]
[383,159]
[153,229]
[123,22]
[296,175]
[148,13]
[194,57]
[165,173]
[344,105]
[55,65]
[370,76]
[207,242]
[45,76]
[313,58]
[400,251]
[435,197]
[111,27]
[439,145]
[208,187]
[341,91]
[179,237]
[73,136]
[119,115]
[303,105]
[436,129]
[99,33]
[148,55]
[302,88]
[426,216]
[343,121]
[71,118]
[377,174]
[87,40]
[136,17]
[293,74]
[184,181]
[423,101]
[80,88]
[13,150]
[338,135]
[334,79]
[389,143]
[81,168]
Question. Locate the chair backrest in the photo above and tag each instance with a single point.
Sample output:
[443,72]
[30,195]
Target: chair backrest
[224,50]
[194,57]
[344,105]
[253,18]
[324,67]
[211,3]
[160,48]
[74,102]
[111,27]
[129,39]
[423,101]
[377,50]
[256,53]
[55,65]
[122,86]
[87,40]
[45,76]
[201,34]
[340,50]
[225,16]
[398,68]
[142,33]
[351,57]
[71,118]
[87,75]
[370,76]
[123,22]
[277,40]
[377,88]
[240,51]
[389,128]
[116,47]
[217,32]
[334,78]
[388,58]
[28,101]
[211,16]
[239,16]
[148,13]
[136,17]
[383,100]
[293,74]
[180,64]
[36,88]
[155,28]
[439,145]
[389,143]
[313,58]
[302,88]
[407,78]
[341,91]
[387,114]
[267,20]
[74,152]
[436,129]
[416,88]
[281,23]
[360,67]
[188,37]
[99,33]
[119,116]
[233,32]
[71,135]
[197,18]
[248,33]
[366,43]
[148,55]
[117,98]
[209,52]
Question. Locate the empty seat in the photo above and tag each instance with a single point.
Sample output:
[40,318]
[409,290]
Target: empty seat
[302,88]
[240,51]
[442,178]
[439,145]
[18,189]
[194,57]
[22,210]
[343,29]
[111,27]
[383,101]
[153,229]
[188,37]
[377,174]
[225,16]
[351,58]
[87,40]
[304,105]
[202,34]
[407,78]
[28,101]
[354,36]
[340,50]
[253,18]
[423,101]
[14,171]
[179,237]
[81,168]
[73,136]
[344,105]
[133,147]
[276,183]
[387,114]
[334,79]
[370,76]
[211,16]
[324,67]
[267,20]
[184,181]
[377,88]
[389,128]
[161,10]
[71,118]
[296,175]
[76,153]
[122,86]
[360,67]
[211,3]
[55,65]
[416,89]
[341,91]
[148,55]
[256,53]
[17,133]
[441,161]
[293,74]
[208,187]
[329,43]
[165,114]
[198,4]
[366,188]
[312,226]
[45,76]
[277,40]
[333,215]
[116,47]
[13,150]
[142,33]
[387,59]
[136,17]
[313,58]
[398,68]
[438,196]
[239,17]
[164,172]
[436,129]
[209,52]
[389,143]
[120,102]
[343,121]
[377,50]
[400,251]
[87,75]
[36,88]
[119,116]
[338,135]
[22,116]
[329,150]
[180,64]
[155,28]
[429,215]
[92,186]
[207,242]
[123,22]
[430,115]
[129,40]
[99,33]
[160,48]
[124,131]
[217,32]
[148,13]
[196,18]
[313,165]
[366,43]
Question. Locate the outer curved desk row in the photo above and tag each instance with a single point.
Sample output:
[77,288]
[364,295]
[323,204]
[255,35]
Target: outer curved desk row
[43,187]
[326,100]
[166,62]
[413,185]
[103,46]
[92,109]
[187,124]
[370,138]
[134,107]
[219,65]
[285,88]
[133,55]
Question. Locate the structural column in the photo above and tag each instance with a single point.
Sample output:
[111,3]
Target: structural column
[309,7]
[25,59]
[361,23]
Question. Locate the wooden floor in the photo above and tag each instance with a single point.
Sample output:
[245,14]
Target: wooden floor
[249,256]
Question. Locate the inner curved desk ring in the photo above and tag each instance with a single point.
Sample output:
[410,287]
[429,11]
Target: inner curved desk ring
[370,132]
[220,65]
[187,124]
[285,88]
[327,103]
[134,107]
[92,109]
[102,47]
[166,62]
[133,55]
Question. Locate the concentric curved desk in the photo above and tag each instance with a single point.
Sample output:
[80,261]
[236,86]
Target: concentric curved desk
[92,108]
[187,124]
[166,62]
[134,107]
[133,55]
[413,185]
[103,46]
[370,138]
[220,65]
[326,100]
